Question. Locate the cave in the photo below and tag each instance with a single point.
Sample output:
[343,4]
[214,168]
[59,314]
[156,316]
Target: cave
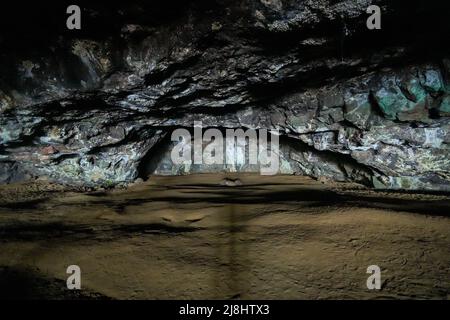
[222,149]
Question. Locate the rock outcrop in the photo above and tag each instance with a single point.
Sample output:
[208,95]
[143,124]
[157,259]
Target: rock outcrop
[97,107]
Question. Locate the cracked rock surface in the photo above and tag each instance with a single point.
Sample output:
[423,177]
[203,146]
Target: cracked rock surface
[97,107]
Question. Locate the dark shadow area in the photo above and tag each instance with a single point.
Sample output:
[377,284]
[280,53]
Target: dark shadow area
[260,194]
[21,284]
[34,232]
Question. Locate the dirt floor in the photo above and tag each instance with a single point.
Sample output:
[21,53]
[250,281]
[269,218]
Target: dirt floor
[284,237]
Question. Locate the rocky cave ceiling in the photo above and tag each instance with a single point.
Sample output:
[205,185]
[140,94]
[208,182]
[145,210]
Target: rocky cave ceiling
[97,106]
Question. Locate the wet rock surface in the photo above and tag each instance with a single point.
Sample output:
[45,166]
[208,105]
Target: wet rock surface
[97,107]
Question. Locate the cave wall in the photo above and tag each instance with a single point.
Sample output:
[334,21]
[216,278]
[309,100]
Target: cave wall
[96,107]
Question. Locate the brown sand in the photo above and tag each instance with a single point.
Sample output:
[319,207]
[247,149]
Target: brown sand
[284,237]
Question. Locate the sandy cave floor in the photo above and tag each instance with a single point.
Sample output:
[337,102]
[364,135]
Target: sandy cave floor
[283,237]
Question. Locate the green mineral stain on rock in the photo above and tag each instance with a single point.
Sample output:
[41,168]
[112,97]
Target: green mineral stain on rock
[416,90]
[390,102]
[405,102]
[445,105]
